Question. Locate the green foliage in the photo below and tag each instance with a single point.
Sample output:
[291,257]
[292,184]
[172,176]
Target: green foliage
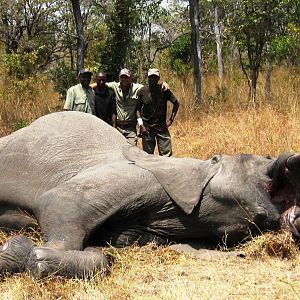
[287,47]
[135,33]
[31,29]
[120,23]
[63,76]
[20,65]
[255,25]
[180,55]
[39,34]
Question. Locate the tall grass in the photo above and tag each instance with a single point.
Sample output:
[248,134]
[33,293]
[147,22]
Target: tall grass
[226,122]
[21,102]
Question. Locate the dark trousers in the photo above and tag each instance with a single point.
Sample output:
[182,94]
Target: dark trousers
[129,132]
[162,139]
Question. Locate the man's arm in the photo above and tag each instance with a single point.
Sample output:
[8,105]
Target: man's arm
[109,84]
[175,103]
[143,129]
[92,104]
[69,103]
[114,120]
[113,110]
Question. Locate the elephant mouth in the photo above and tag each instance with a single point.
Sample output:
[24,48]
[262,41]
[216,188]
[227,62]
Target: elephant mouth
[290,219]
[286,203]
[285,191]
[284,199]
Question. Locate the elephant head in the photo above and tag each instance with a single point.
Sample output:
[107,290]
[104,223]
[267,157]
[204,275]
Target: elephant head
[232,195]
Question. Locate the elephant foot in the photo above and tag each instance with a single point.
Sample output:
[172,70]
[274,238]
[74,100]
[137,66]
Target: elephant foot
[14,254]
[45,261]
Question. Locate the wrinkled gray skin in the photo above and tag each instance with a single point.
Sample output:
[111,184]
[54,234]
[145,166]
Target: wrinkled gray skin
[85,186]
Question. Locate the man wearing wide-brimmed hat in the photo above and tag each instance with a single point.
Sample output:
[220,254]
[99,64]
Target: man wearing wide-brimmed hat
[152,113]
[81,97]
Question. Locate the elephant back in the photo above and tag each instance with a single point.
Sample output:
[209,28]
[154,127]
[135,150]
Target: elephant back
[57,146]
[69,131]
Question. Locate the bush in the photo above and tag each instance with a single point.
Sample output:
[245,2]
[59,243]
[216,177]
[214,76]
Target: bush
[63,76]
[20,66]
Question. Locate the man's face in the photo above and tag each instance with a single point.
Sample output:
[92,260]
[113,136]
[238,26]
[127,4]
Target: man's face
[153,80]
[85,79]
[125,81]
[101,80]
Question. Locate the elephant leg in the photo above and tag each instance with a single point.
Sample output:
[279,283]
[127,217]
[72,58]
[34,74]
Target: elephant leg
[14,254]
[45,261]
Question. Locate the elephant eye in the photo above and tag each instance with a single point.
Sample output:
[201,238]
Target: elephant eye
[215,159]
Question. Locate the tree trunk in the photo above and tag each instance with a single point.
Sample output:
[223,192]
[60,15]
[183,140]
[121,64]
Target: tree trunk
[221,71]
[268,80]
[195,27]
[81,41]
[268,76]
[253,84]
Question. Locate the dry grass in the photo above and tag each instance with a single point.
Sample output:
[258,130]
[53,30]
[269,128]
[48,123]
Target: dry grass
[23,102]
[153,272]
[227,124]
[280,245]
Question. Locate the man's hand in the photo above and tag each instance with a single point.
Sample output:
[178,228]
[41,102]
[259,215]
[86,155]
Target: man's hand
[143,130]
[169,123]
[165,86]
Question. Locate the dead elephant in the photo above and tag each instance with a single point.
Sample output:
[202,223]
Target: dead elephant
[85,186]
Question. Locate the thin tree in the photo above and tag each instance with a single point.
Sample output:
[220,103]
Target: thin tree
[217,30]
[255,25]
[195,38]
[81,40]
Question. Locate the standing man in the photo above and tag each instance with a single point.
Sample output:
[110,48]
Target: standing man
[105,100]
[81,97]
[151,114]
[126,93]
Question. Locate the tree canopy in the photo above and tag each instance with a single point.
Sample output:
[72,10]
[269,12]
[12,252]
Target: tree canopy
[61,36]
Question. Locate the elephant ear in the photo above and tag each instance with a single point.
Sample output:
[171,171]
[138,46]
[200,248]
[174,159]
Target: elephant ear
[182,178]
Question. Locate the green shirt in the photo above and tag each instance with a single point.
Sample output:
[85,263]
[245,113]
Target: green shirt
[80,99]
[126,107]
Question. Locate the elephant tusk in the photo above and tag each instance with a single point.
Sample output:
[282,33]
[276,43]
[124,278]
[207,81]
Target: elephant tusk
[293,163]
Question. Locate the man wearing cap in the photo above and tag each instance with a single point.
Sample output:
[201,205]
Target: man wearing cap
[81,97]
[126,93]
[151,114]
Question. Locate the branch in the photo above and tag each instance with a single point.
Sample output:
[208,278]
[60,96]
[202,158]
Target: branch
[243,68]
[158,49]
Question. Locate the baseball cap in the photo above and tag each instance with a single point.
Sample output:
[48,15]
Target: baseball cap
[125,72]
[153,72]
[83,71]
